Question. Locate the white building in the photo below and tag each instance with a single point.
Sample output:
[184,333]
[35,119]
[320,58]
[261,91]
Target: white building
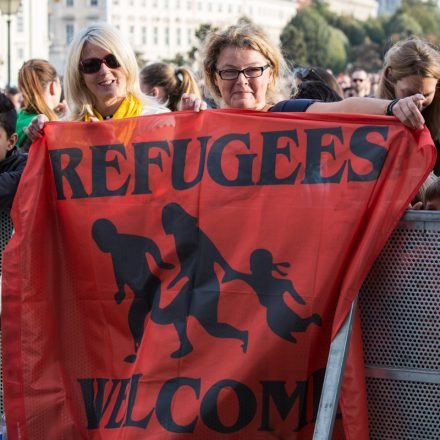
[388,6]
[29,37]
[360,9]
[159,29]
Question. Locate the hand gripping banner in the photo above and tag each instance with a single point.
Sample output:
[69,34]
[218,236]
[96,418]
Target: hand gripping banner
[182,275]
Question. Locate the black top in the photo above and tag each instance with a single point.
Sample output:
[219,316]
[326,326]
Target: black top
[292,105]
[10,172]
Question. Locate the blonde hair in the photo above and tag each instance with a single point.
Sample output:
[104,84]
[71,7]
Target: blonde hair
[242,36]
[174,81]
[79,99]
[413,56]
[33,78]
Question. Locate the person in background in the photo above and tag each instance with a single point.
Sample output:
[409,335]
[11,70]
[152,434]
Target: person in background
[168,83]
[360,83]
[242,69]
[14,96]
[316,90]
[302,75]
[101,80]
[413,66]
[432,196]
[12,160]
[419,200]
[41,89]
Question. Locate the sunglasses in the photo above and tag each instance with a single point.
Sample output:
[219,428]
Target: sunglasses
[93,65]
[357,80]
[306,73]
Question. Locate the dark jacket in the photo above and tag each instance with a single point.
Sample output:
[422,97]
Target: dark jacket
[10,172]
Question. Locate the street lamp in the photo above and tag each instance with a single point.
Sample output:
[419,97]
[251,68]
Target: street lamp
[9,8]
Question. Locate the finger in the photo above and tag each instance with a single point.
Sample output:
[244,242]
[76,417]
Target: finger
[417,206]
[203,106]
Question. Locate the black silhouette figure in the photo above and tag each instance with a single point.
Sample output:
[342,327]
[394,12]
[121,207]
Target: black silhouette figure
[281,319]
[200,294]
[131,267]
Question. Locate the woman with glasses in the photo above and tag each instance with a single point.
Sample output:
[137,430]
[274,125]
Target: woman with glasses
[413,66]
[101,79]
[242,69]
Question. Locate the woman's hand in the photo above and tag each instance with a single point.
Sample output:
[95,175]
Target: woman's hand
[35,129]
[408,111]
[61,109]
[189,101]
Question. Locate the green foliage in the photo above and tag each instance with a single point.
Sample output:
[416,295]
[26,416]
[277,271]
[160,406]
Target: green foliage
[316,34]
[293,46]
[354,29]
[178,60]
[367,56]
[310,37]
[201,34]
[375,30]
[403,26]
[337,50]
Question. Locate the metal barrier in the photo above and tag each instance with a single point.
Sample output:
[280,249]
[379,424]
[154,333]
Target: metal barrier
[400,319]
[6,228]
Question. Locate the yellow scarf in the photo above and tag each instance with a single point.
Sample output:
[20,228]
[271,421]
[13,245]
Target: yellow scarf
[130,106]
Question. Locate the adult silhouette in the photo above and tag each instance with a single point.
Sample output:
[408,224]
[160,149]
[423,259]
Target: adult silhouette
[131,268]
[199,295]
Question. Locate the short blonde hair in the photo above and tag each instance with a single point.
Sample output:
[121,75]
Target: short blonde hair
[79,99]
[413,56]
[242,36]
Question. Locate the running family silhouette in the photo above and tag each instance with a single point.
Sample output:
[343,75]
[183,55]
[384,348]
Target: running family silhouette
[199,294]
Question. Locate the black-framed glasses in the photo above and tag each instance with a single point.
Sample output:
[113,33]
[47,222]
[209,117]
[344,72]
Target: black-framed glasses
[249,72]
[93,65]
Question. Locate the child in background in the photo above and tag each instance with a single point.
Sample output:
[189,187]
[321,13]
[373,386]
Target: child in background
[12,161]
[432,196]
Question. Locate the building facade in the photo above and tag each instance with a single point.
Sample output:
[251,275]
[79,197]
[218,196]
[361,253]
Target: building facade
[388,6]
[360,9]
[160,29]
[29,37]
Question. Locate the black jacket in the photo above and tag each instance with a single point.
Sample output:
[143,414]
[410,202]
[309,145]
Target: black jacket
[10,172]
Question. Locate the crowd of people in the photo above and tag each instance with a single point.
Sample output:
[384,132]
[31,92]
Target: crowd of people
[241,68]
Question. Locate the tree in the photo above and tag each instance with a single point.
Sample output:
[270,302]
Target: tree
[309,40]
[402,26]
[375,30]
[367,56]
[337,48]
[316,34]
[178,60]
[201,34]
[293,46]
[352,28]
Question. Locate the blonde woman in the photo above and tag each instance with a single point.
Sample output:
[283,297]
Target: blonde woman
[101,79]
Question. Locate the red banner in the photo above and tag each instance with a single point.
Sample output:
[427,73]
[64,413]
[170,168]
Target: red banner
[182,275]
